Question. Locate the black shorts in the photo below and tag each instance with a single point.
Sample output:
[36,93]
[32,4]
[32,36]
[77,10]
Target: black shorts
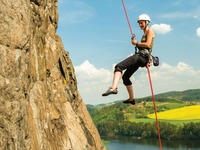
[131,64]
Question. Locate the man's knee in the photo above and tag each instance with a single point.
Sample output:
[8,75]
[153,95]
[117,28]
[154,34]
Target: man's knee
[118,69]
[126,81]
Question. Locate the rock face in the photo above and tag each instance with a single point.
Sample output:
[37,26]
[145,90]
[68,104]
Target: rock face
[40,106]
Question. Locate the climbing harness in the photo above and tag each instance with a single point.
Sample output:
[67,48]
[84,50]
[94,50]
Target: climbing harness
[156,61]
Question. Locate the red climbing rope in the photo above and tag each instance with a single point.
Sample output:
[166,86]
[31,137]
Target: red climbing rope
[155,111]
[131,31]
[153,98]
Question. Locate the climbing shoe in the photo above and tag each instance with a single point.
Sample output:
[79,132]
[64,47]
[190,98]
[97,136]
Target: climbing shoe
[110,91]
[128,101]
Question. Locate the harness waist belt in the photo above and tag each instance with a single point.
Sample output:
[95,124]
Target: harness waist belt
[144,51]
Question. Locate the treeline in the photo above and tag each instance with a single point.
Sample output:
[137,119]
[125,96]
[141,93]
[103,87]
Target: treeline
[187,131]
[115,120]
[188,95]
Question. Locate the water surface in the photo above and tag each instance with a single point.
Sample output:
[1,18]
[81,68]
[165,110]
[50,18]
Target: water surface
[122,143]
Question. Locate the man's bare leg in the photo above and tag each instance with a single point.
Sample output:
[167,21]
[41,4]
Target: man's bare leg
[130,92]
[117,77]
[113,89]
[131,99]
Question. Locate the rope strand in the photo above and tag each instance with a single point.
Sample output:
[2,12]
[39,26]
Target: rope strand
[155,111]
[153,98]
[131,31]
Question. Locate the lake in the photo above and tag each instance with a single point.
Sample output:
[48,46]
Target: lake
[149,144]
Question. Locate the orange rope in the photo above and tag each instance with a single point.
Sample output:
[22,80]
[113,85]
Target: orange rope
[155,111]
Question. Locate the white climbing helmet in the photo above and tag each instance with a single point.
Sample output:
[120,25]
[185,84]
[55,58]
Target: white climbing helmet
[144,17]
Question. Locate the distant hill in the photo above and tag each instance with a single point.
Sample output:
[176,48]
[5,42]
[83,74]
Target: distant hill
[116,118]
[172,96]
[182,97]
[173,99]
[187,95]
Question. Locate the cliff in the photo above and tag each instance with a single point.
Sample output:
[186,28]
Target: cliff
[40,106]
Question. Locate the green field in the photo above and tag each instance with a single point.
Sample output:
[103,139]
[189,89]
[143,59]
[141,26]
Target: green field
[162,120]
[178,115]
[174,113]
[183,113]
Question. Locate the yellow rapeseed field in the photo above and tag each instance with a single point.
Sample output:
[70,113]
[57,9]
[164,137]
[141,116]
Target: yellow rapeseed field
[184,113]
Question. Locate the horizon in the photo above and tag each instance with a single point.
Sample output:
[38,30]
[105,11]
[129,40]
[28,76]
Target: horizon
[141,97]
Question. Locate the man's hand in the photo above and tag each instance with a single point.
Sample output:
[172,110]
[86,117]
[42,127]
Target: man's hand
[148,65]
[134,41]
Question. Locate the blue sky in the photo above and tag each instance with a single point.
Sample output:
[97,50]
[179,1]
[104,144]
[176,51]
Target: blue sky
[96,35]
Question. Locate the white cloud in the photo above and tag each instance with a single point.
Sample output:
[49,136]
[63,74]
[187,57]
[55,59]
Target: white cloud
[92,82]
[175,78]
[198,31]
[161,28]
[87,72]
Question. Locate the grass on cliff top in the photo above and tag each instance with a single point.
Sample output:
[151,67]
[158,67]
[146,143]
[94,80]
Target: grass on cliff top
[184,113]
